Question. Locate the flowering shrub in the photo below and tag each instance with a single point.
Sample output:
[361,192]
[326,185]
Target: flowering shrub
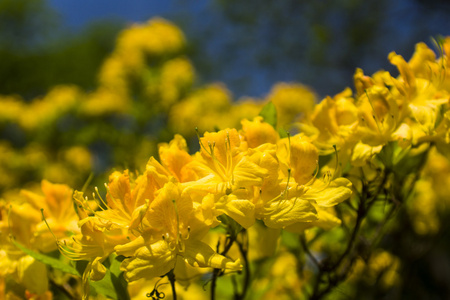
[284,198]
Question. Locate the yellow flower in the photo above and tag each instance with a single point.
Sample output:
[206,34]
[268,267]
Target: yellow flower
[173,232]
[204,109]
[104,101]
[291,100]
[332,123]
[113,80]
[300,200]
[59,101]
[378,112]
[177,76]
[422,96]
[127,200]
[12,108]
[258,132]
[174,157]
[58,211]
[222,166]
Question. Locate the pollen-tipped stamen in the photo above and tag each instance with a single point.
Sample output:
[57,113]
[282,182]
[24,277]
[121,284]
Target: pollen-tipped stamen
[377,122]
[200,141]
[45,220]
[285,193]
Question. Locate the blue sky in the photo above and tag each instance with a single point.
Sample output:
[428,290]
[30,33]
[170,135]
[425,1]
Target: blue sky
[402,24]
[77,13]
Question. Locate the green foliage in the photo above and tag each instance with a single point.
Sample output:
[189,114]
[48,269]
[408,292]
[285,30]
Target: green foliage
[113,285]
[45,259]
[269,114]
[38,53]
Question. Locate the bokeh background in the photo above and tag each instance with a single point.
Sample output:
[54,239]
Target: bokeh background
[239,50]
[245,44]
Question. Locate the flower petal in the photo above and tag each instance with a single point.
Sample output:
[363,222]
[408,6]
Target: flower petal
[149,261]
[199,254]
[337,191]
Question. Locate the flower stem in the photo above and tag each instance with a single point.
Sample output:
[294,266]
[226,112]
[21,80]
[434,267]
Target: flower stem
[171,277]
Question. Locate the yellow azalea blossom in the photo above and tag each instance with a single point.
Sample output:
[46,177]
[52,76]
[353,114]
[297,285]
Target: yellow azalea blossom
[105,101]
[57,206]
[332,124]
[378,112]
[221,166]
[174,156]
[239,206]
[303,159]
[93,244]
[173,232]
[291,100]
[210,102]
[422,97]
[59,101]
[18,221]
[127,200]
[177,76]
[299,197]
[243,108]
[12,108]
[258,132]
[113,81]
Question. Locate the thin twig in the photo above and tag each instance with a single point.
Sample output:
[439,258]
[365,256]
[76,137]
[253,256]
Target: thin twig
[171,277]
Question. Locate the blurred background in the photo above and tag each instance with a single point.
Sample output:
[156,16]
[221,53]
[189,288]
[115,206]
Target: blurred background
[91,86]
[246,45]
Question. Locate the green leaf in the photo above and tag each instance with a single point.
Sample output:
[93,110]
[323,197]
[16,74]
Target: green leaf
[113,285]
[283,133]
[233,227]
[49,261]
[269,114]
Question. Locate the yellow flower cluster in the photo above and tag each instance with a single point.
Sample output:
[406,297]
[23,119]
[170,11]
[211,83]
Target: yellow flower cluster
[249,184]
[212,107]
[21,219]
[54,133]
[411,109]
[146,57]
[158,220]
[145,77]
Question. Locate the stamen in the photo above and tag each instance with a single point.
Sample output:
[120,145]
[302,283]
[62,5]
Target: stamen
[337,161]
[85,205]
[200,141]
[373,109]
[229,158]
[211,148]
[97,201]
[284,194]
[100,197]
[178,219]
[181,246]
[45,220]
[172,249]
